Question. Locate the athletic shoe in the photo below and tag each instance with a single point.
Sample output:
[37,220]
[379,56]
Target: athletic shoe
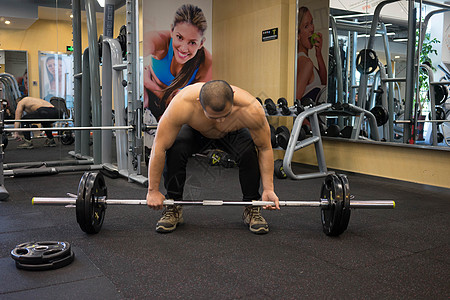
[252,217]
[49,143]
[27,144]
[172,216]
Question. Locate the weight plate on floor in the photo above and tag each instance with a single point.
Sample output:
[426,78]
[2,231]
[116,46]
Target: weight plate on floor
[36,253]
[55,264]
[94,210]
[346,203]
[331,215]
[80,203]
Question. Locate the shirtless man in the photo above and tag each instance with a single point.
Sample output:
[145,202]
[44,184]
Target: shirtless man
[36,109]
[231,118]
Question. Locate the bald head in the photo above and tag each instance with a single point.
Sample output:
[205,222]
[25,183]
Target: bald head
[216,95]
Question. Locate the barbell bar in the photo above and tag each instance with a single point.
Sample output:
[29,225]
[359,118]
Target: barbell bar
[307,203]
[335,203]
[38,120]
[420,121]
[128,127]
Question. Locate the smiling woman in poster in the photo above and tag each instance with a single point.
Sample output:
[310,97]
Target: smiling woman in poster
[178,58]
[310,79]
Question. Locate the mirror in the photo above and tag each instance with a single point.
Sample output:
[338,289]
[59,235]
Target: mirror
[15,62]
[377,80]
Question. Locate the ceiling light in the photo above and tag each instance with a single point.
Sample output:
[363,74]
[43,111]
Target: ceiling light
[7,22]
[71,16]
[397,56]
[101,3]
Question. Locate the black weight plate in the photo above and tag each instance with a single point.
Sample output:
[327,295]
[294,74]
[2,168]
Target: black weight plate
[381,114]
[80,203]
[332,215]
[55,264]
[440,94]
[346,203]
[40,252]
[366,61]
[440,114]
[67,137]
[278,169]
[94,211]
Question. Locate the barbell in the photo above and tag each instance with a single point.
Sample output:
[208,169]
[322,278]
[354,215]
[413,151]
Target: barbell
[126,127]
[335,203]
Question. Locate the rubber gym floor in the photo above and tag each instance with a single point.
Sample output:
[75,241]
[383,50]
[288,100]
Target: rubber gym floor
[384,254]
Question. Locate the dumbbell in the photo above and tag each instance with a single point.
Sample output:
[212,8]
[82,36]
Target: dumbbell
[271,107]
[278,169]
[279,137]
[307,102]
[298,107]
[218,157]
[283,106]
[282,134]
[333,130]
[260,101]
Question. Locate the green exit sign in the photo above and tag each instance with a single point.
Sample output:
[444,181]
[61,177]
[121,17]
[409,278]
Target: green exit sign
[69,48]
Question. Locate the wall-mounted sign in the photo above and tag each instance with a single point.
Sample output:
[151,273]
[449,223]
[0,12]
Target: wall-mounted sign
[270,34]
[69,48]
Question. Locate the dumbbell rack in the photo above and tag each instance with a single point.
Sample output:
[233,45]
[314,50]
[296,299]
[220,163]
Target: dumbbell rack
[360,115]
[316,139]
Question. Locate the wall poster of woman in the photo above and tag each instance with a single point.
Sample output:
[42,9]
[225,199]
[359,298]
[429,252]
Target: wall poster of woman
[177,52]
[56,76]
[312,49]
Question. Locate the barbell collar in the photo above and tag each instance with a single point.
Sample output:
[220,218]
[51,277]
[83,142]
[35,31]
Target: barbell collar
[321,203]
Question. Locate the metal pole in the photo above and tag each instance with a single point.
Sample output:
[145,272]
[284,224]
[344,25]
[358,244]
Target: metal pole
[85,105]
[410,70]
[76,32]
[108,27]
[95,78]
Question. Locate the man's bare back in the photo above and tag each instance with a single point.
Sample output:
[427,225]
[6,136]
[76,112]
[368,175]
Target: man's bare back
[30,104]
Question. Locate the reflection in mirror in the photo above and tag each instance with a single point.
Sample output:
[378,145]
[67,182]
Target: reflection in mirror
[370,74]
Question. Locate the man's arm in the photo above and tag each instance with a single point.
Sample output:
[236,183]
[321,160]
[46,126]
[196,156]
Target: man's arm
[260,132]
[18,116]
[169,126]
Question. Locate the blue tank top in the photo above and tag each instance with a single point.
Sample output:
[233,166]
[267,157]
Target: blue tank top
[161,68]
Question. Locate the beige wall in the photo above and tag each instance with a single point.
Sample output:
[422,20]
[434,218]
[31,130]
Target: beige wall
[402,162]
[240,56]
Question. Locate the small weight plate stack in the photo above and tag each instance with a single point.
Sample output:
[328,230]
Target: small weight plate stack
[38,256]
